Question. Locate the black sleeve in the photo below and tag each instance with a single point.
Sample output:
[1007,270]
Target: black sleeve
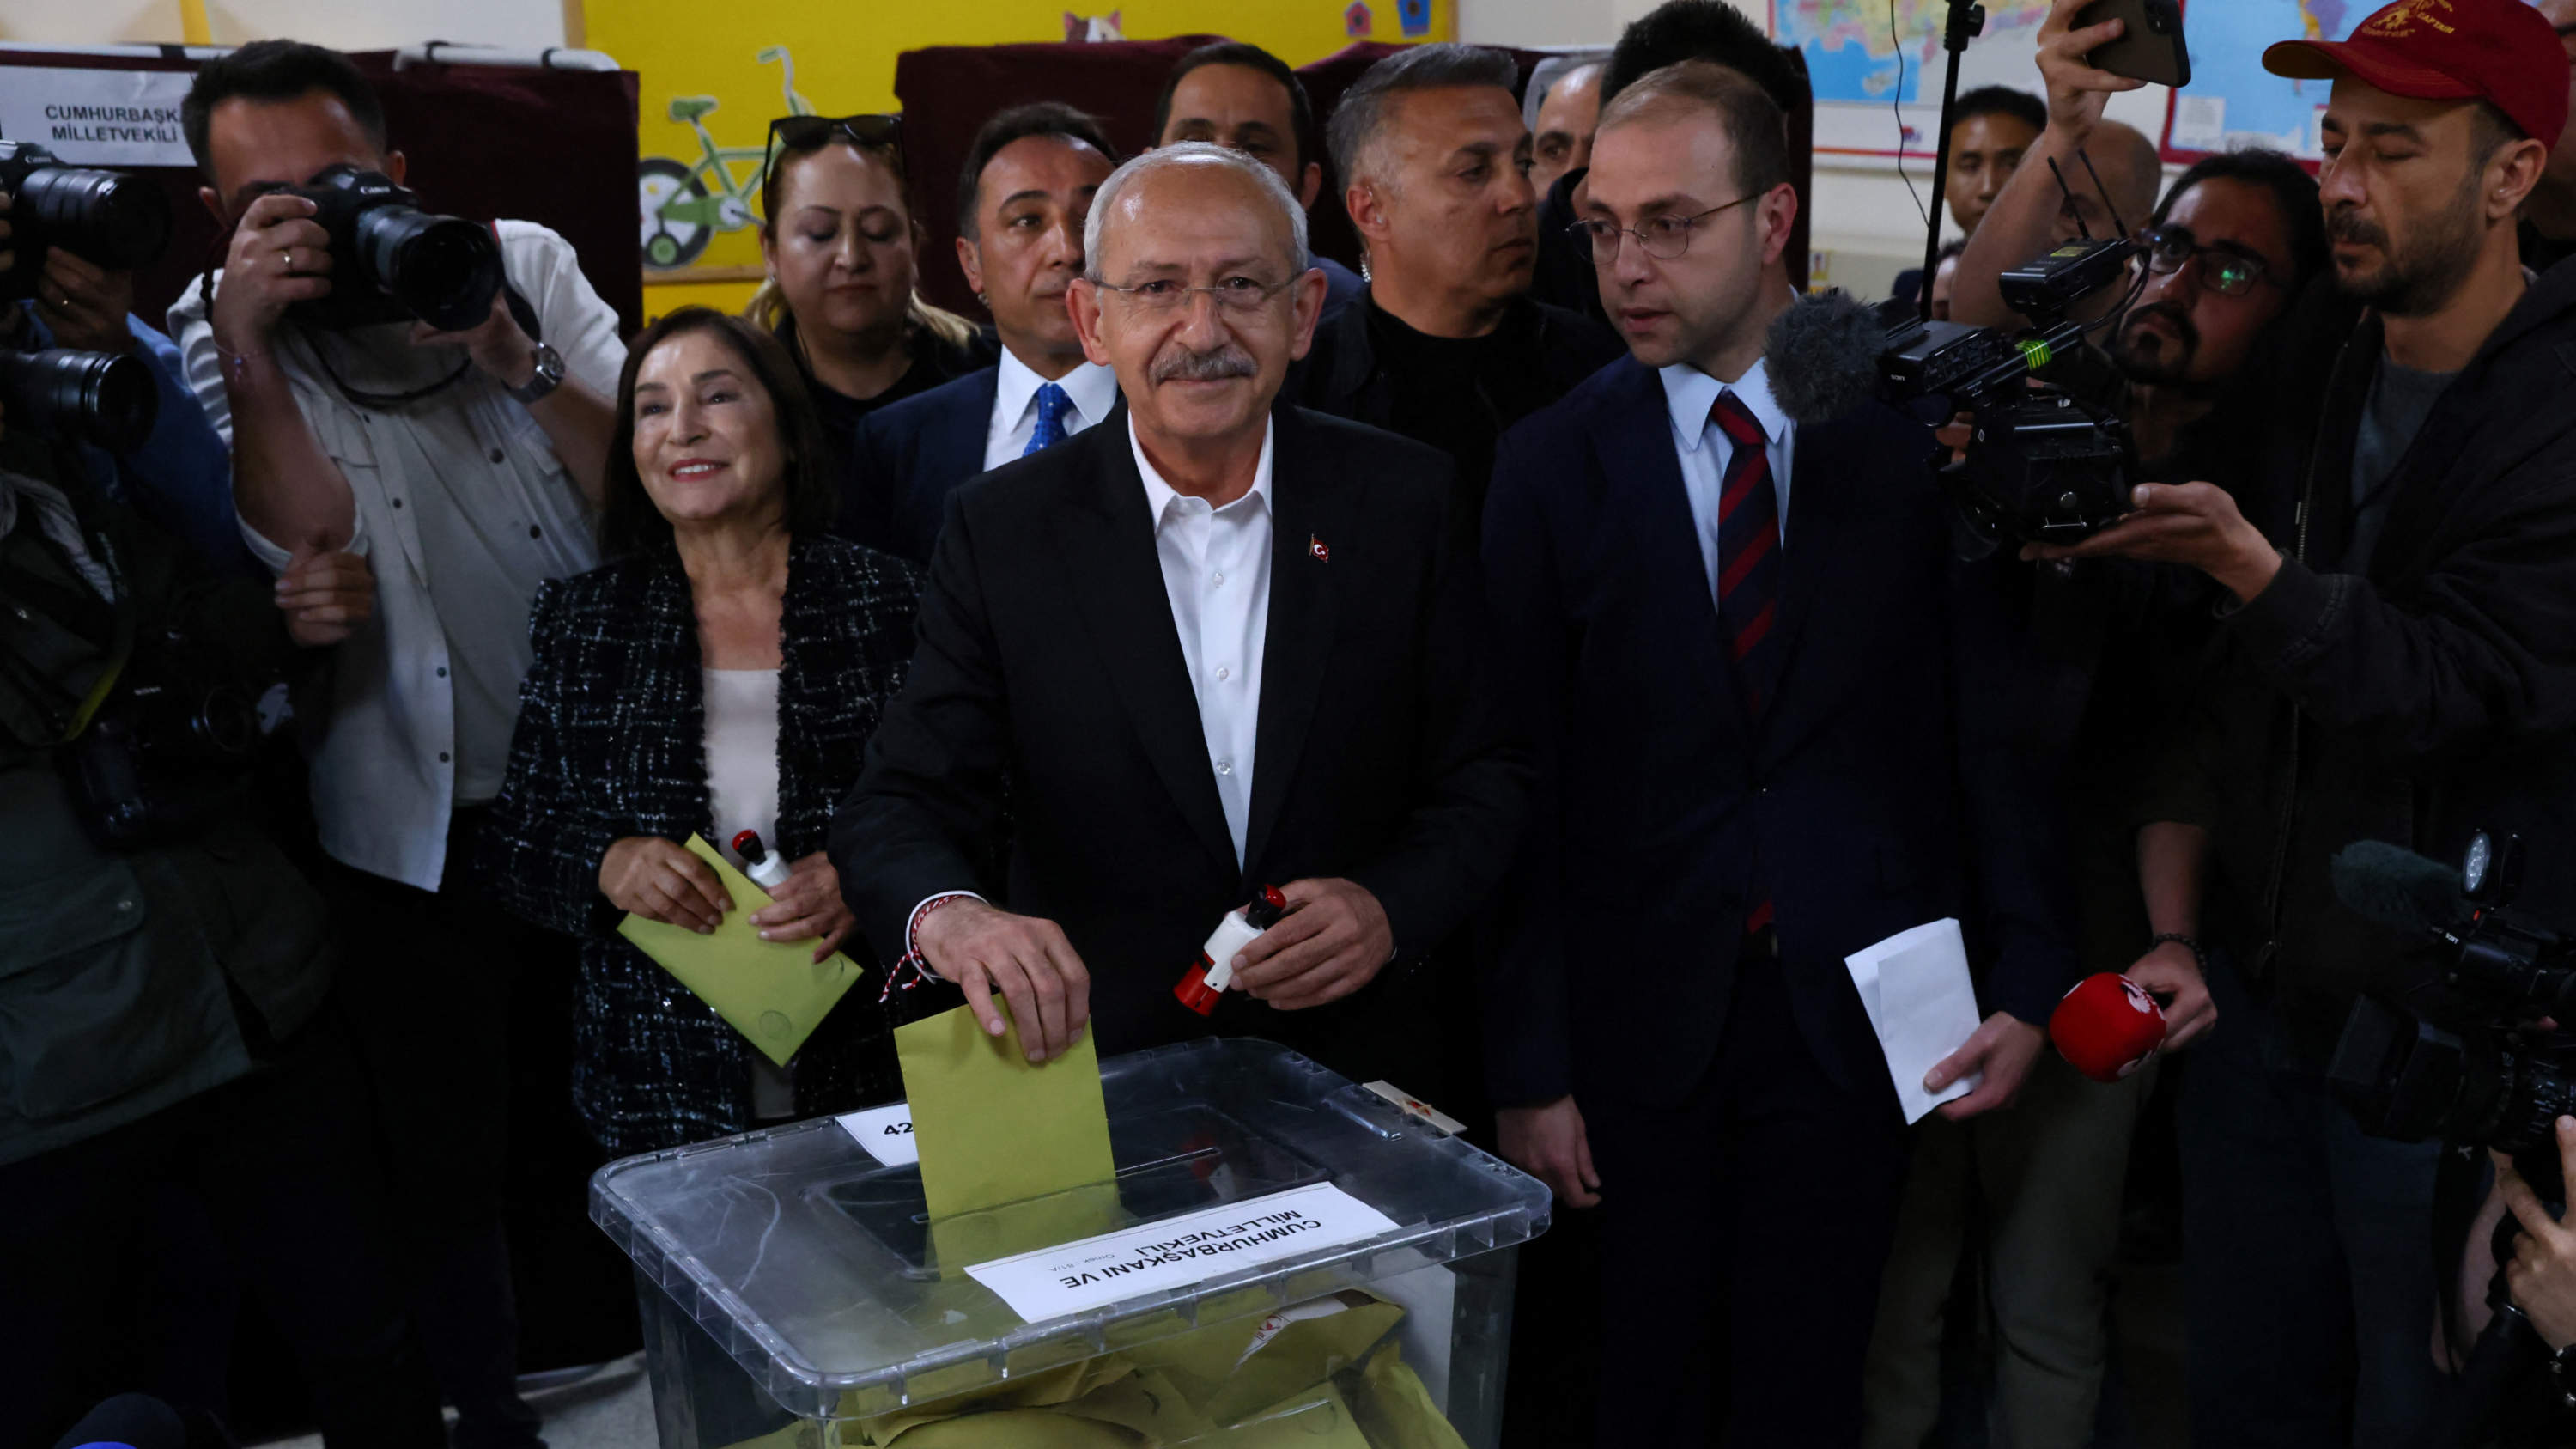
[2013,798]
[2481,659]
[932,791]
[1528,1052]
[548,832]
[1473,767]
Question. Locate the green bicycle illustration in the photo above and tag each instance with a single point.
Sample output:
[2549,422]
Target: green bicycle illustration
[683,205]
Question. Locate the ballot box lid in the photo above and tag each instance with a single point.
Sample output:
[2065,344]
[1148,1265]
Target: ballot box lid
[814,1265]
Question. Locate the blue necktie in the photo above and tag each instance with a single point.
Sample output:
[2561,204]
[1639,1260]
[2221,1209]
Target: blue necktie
[1052,406]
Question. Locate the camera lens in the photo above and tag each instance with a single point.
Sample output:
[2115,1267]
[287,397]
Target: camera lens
[118,221]
[443,270]
[93,397]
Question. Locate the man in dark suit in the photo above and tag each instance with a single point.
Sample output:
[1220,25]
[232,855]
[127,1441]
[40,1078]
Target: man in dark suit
[1759,750]
[1028,183]
[1446,345]
[1211,644]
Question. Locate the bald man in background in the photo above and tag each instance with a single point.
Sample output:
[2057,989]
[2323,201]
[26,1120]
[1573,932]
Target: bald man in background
[1561,126]
[2033,214]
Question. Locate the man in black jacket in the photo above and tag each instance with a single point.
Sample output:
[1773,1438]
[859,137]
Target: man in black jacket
[1211,644]
[1446,346]
[2404,671]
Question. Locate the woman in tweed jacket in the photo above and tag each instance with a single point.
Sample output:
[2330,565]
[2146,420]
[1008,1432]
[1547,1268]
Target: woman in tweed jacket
[719,490]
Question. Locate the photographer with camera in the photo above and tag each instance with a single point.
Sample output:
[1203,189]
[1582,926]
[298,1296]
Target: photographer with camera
[432,394]
[2230,245]
[163,977]
[72,293]
[2404,669]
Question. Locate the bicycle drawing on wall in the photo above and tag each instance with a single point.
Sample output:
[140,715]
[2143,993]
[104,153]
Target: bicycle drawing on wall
[684,204]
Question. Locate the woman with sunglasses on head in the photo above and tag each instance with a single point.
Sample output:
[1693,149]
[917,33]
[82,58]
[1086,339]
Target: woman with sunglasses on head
[722,675]
[840,239]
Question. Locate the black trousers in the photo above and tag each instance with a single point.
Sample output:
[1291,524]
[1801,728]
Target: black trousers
[1744,1232]
[425,981]
[280,1161]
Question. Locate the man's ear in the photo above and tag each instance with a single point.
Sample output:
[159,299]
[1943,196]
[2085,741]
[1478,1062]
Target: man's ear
[1082,304]
[1307,292]
[972,265]
[1311,187]
[1368,214]
[1779,208]
[395,166]
[214,206]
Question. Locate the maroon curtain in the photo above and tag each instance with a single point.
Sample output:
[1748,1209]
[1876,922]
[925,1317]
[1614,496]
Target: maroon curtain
[947,91]
[550,146]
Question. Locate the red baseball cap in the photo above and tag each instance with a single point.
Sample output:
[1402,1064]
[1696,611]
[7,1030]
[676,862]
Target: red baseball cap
[2500,51]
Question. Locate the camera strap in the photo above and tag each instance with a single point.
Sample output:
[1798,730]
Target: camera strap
[73,610]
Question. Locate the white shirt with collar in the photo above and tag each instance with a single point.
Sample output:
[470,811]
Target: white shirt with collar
[462,509]
[1216,572]
[1092,389]
[1705,449]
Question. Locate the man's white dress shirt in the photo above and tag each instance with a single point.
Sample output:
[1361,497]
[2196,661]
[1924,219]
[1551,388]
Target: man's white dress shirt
[1091,388]
[1705,449]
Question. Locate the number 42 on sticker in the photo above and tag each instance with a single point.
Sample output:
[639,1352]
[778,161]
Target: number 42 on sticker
[884,1133]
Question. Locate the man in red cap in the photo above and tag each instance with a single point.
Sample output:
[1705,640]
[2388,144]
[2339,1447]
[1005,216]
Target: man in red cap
[2402,667]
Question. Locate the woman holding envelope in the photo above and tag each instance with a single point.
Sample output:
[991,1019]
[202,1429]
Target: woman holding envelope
[723,674]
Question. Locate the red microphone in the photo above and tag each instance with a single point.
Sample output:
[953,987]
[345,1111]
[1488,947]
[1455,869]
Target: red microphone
[2107,1027]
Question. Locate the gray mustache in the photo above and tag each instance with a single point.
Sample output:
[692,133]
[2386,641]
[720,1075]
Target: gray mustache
[1191,366]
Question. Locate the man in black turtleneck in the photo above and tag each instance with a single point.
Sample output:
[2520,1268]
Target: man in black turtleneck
[1446,346]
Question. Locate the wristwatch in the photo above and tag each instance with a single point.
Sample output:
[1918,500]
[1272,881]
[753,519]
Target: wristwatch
[548,376]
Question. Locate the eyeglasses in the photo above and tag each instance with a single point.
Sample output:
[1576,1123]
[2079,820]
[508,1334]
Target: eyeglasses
[2229,274]
[1234,294]
[1663,237]
[789,134]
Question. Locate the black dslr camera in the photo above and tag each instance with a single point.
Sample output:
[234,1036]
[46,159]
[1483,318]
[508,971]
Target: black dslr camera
[2041,466]
[2485,1078]
[99,398]
[392,261]
[171,749]
[118,221]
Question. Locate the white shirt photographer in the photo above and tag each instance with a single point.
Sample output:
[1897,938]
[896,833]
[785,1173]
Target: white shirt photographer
[462,509]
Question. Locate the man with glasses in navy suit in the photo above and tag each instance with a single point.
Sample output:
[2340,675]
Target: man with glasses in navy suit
[1771,729]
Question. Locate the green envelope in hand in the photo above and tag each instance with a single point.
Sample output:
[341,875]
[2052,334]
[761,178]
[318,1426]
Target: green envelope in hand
[773,992]
[994,1128]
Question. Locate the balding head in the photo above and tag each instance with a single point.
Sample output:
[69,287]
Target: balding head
[2131,176]
[1199,294]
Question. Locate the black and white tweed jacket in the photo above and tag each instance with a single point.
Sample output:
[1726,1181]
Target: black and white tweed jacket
[611,742]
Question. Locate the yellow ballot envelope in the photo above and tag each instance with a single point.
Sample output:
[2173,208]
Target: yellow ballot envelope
[773,992]
[995,1128]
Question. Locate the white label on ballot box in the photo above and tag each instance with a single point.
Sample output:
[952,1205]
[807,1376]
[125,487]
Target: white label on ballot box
[885,1132]
[1176,1252]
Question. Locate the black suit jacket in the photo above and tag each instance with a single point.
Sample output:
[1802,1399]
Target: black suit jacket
[1049,660]
[905,460]
[1885,787]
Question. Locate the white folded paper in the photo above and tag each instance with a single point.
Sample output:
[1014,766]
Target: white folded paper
[1916,989]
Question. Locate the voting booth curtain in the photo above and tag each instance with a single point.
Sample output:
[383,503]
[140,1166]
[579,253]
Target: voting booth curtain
[484,142]
[947,91]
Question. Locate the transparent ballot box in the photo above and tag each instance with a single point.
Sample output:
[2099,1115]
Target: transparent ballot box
[1283,1259]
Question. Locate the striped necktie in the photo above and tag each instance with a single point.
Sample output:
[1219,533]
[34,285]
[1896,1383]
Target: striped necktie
[1748,574]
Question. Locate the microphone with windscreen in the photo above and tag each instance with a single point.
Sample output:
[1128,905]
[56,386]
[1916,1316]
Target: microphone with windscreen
[2107,1027]
[2396,887]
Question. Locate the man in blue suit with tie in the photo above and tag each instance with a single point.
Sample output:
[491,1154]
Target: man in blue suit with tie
[1027,188]
[1773,727]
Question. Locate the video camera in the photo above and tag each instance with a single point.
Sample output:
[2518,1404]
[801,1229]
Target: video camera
[118,221]
[392,261]
[2488,1078]
[2041,466]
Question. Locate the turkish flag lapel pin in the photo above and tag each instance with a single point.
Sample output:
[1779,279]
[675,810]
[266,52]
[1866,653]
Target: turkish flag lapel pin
[1316,547]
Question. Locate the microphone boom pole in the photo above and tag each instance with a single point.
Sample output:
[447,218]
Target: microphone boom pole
[1967,21]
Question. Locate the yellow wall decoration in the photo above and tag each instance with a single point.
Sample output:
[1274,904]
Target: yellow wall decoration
[713,75]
